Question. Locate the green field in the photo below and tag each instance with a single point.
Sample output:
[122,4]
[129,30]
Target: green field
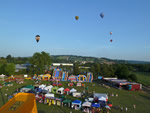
[143,77]
[125,99]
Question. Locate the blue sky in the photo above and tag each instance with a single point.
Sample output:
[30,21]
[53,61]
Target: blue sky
[61,34]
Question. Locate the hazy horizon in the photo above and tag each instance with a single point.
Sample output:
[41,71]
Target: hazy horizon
[79,55]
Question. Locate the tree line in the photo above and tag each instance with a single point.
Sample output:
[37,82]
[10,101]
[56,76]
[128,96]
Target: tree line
[115,70]
[41,62]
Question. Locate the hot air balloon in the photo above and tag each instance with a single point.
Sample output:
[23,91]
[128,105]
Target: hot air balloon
[76,17]
[102,15]
[111,40]
[110,33]
[37,37]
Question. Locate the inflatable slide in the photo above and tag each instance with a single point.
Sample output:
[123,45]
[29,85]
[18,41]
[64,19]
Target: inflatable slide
[21,103]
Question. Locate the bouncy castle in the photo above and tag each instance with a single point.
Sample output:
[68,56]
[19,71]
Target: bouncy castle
[72,78]
[64,76]
[81,78]
[60,75]
[57,75]
[89,77]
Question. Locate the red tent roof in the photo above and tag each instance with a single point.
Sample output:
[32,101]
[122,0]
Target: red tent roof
[67,89]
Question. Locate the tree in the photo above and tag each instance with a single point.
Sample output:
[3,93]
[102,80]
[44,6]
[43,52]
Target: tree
[40,61]
[76,69]
[3,61]
[104,71]
[133,77]
[8,57]
[98,69]
[3,69]
[10,69]
[122,71]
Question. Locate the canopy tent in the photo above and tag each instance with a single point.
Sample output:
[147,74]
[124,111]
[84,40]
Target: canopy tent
[60,90]
[59,101]
[54,89]
[86,107]
[76,94]
[49,95]
[50,100]
[107,107]
[90,99]
[2,76]
[100,95]
[86,104]
[96,105]
[49,88]
[102,98]
[42,86]
[25,90]
[67,102]
[67,90]
[29,86]
[73,90]
[76,104]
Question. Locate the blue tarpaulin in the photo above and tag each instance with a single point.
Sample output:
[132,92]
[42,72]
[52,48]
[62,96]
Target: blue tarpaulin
[9,97]
[38,90]
[100,77]
[96,105]
[77,101]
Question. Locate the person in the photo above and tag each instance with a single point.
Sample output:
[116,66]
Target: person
[116,95]
[121,108]
[134,106]
[112,94]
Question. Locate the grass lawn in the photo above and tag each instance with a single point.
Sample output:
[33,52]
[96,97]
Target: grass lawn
[125,98]
[143,77]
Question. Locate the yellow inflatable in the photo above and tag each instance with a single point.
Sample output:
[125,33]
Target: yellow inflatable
[21,103]
[46,77]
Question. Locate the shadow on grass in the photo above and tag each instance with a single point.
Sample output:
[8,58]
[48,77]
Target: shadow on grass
[40,111]
[146,97]
[2,97]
